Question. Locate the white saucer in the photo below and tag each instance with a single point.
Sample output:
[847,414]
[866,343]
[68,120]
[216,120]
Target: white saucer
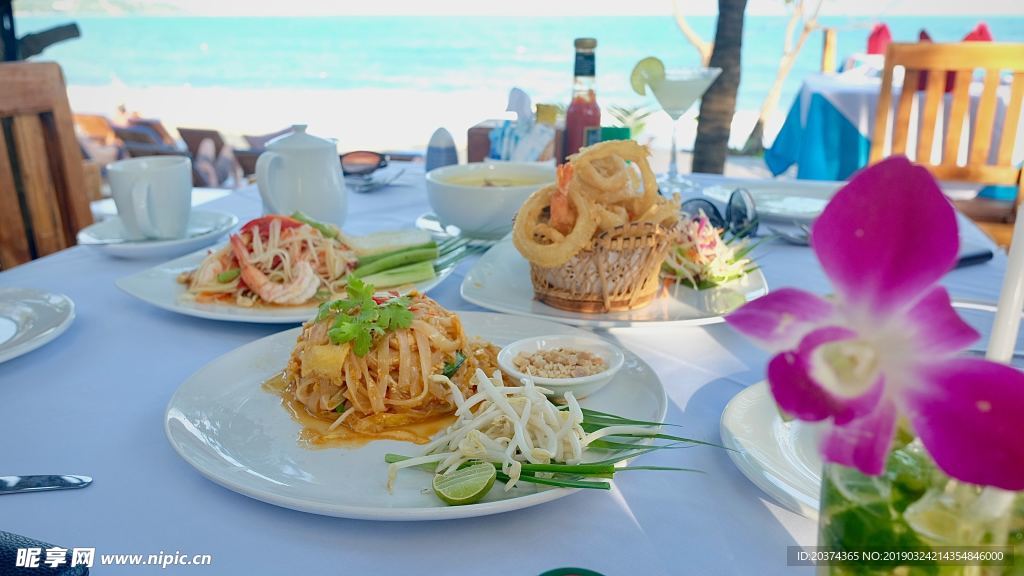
[204,228]
[30,318]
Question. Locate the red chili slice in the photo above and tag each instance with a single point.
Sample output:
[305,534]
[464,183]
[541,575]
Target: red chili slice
[263,224]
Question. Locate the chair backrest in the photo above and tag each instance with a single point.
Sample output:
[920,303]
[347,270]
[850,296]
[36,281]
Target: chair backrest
[960,60]
[194,136]
[43,202]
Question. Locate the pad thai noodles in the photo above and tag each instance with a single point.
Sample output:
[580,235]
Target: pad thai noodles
[368,363]
[274,260]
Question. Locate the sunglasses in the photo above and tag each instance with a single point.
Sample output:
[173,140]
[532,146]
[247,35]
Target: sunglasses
[362,162]
[740,218]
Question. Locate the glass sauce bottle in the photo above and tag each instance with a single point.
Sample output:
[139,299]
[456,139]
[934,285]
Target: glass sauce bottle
[583,112]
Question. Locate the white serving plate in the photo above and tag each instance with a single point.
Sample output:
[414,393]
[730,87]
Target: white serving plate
[31,318]
[234,433]
[159,286]
[784,201]
[500,281]
[204,228]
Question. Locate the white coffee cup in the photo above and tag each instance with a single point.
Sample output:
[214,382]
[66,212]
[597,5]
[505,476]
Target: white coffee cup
[153,195]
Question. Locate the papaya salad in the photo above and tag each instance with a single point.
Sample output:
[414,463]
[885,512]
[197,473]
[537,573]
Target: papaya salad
[279,260]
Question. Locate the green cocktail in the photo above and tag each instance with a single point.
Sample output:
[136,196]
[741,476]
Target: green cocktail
[912,515]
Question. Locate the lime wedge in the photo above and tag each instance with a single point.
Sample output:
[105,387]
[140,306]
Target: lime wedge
[465,486]
[645,72]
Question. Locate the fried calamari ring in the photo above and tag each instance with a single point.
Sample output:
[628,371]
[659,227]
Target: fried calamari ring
[633,152]
[606,175]
[557,253]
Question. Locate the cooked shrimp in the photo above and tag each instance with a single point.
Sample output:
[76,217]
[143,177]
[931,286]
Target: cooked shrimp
[302,287]
[563,214]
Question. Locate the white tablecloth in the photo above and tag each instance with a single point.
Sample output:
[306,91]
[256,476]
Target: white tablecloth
[92,402]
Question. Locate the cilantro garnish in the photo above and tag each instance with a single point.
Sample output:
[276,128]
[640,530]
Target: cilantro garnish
[360,319]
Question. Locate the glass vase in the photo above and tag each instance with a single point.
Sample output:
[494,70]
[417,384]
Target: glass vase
[914,520]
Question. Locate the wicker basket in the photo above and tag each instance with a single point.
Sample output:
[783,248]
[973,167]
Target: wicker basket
[618,271]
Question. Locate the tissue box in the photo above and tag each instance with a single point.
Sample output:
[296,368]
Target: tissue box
[478,140]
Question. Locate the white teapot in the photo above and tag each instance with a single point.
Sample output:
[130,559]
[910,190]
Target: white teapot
[302,172]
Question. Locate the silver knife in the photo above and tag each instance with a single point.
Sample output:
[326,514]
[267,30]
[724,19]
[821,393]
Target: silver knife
[16,484]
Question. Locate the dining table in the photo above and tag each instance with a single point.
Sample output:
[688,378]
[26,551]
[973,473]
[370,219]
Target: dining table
[93,402]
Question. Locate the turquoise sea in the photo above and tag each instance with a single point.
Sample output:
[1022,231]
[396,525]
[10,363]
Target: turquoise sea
[440,54]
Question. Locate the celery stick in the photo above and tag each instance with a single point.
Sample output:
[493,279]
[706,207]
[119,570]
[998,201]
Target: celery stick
[363,261]
[396,260]
[410,274]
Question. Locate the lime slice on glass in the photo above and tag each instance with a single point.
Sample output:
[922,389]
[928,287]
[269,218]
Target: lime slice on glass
[645,72]
[465,486]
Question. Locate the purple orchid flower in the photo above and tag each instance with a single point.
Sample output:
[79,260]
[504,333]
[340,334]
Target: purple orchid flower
[881,352]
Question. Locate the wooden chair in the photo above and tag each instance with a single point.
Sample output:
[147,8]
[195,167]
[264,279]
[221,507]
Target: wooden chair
[43,202]
[981,166]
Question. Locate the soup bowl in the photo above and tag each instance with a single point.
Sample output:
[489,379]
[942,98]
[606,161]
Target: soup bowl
[482,198]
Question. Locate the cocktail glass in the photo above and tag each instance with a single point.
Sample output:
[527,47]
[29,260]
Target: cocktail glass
[676,92]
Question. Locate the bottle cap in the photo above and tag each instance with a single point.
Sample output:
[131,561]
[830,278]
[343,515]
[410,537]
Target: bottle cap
[585,43]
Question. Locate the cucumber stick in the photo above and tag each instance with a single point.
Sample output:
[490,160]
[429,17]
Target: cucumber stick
[393,260]
[396,256]
[409,274]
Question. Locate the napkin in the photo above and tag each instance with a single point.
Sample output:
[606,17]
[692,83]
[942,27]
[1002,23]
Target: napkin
[525,139]
[9,545]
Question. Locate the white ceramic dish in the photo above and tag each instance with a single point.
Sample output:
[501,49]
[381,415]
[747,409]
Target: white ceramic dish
[500,281]
[429,222]
[159,286]
[204,228]
[782,458]
[31,318]
[784,201]
[580,387]
[234,433]
[479,211]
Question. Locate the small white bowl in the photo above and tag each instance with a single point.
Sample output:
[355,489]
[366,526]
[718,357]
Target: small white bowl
[580,387]
[480,211]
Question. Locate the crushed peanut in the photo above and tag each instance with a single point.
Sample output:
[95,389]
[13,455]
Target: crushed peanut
[560,363]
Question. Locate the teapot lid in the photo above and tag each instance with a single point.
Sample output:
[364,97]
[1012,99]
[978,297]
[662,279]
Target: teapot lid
[298,139]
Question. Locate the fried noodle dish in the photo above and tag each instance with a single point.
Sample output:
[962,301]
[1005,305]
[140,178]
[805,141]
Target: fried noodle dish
[602,187]
[274,260]
[376,363]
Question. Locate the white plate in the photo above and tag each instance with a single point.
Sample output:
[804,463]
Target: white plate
[500,281]
[429,222]
[30,318]
[159,286]
[782,458]
[204,228]
[234,433]
[779,457]
[779,200]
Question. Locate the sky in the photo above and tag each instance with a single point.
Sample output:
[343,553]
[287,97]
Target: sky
[549,7]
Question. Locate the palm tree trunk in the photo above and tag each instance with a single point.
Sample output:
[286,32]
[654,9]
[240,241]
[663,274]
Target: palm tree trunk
[719,102]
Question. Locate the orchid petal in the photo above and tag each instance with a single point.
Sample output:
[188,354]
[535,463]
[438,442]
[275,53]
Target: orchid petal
[863,443]
[938,328]
[886,236]
[780,319]
[967,412]
[796,391]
